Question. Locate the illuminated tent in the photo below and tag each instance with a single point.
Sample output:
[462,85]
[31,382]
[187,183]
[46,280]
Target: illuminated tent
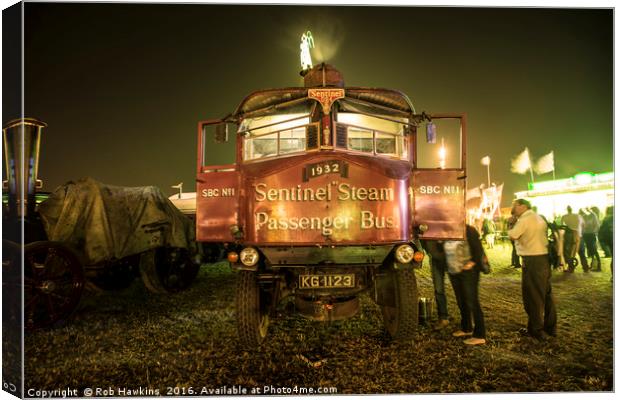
[580,191]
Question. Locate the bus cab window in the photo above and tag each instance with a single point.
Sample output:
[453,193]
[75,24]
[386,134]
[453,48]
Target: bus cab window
[372,134]
[274,135]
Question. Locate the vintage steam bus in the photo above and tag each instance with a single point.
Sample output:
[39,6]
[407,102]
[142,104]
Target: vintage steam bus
[321,193]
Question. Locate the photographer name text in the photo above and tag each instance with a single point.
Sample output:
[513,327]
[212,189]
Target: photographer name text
[234,390]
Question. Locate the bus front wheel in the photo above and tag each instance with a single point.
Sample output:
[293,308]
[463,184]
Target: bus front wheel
[401,319]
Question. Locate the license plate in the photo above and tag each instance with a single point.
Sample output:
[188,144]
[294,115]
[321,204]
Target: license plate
[326,281]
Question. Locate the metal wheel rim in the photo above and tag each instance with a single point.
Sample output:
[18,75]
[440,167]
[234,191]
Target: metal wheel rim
[53,284]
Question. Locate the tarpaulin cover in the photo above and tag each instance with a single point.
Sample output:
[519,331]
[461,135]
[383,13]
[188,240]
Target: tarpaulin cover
[106,222]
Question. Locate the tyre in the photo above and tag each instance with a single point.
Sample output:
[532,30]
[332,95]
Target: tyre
[167,270]
[401,320]
[252,305]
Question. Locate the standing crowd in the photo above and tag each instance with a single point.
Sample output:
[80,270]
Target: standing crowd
[464,261]
[582,231]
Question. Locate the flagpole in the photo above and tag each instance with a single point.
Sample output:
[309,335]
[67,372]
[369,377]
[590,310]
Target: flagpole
[489,174]
[529,164]
[486,160]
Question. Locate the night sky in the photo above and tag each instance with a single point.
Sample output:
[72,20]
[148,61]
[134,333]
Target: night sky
[122,86]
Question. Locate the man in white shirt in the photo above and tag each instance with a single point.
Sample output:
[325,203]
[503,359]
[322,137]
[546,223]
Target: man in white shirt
[572,236]
[530,236]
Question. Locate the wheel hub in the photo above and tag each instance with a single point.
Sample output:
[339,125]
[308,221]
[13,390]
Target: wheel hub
[47,287]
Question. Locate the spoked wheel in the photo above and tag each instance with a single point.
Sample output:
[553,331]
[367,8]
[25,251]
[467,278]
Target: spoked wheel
[401,319]
[167,269]
[53,284]
[252,305]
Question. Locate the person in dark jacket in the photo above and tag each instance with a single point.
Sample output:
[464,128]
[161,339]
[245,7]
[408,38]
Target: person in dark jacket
[439,269]
[465,261]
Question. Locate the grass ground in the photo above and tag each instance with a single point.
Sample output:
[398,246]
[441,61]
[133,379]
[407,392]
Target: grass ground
[133,339]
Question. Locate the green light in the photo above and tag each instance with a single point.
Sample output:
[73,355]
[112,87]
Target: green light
[583,190]
[39,197]
[549,185]
[581,179]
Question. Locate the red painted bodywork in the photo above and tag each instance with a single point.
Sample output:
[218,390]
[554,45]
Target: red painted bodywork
[354,219]
[439,202]
[217,213]
[217,206]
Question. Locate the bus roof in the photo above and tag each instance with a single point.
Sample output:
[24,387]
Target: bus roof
[386,101]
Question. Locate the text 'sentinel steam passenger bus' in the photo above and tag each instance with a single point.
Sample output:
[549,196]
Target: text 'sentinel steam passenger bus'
[320,194]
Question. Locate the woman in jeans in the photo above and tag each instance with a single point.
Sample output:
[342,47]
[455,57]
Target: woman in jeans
[466,259]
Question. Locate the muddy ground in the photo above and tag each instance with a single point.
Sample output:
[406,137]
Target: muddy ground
[132,339]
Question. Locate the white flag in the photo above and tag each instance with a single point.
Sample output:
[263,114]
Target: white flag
[521,163]
[486,160]
[544,164]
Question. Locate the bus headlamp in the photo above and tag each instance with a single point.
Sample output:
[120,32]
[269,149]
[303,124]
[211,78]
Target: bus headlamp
[404,253]
[249,256]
